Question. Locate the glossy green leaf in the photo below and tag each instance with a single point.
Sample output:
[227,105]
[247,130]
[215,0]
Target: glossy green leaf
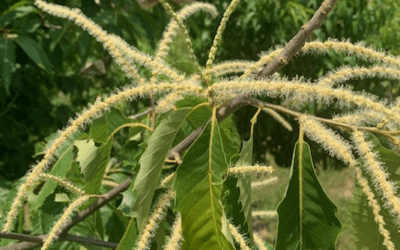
[198,188]
[59,169]
[130,236]
[152,160]
[7,62]
[306,215]
[366,229]
[35,52]
[93,162]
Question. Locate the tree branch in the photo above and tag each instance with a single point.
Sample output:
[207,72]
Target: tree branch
[35,241]
[298,40]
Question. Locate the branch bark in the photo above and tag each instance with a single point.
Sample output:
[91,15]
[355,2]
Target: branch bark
[298,40]
[35,241]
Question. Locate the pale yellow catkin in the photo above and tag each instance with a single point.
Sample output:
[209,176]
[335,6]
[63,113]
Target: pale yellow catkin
[264,214]
[173,26]
[327,138]
[347,73]
[278,118]
[167,103]
[228,67]
[64,219]
[256,169]
[260,184]
[168,180]
[107,40]
[318,47]
[378,174]
[80,121]
[363,117]
[238,237]
[373,203]
[66,184]
[158,213]
[176,235]
[259,242]
[281,87]
[218,36]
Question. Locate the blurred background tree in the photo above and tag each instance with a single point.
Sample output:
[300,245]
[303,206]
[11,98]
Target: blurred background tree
[50,69]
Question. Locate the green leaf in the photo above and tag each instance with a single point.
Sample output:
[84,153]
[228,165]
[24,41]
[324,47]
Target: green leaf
[198,188]
[59,169]
[306,214]
[366,229]
[128,200]
[130,236]
[7,62]
[35,52]
[93,162]
[152,160]
[103,127]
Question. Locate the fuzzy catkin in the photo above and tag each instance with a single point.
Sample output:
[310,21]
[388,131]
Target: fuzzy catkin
[238,237]
[158,213]
[64,219]
[93,112]
[327,138]
[378,174]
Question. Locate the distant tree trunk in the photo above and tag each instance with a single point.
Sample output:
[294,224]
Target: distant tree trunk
[150,3]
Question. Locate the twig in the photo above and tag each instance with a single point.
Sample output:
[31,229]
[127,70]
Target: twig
[298,40]
[39,240]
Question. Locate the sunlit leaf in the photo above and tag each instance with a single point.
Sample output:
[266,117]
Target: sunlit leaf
[306,215]
[199,183]
[93,161]
[366,229]
[152,160]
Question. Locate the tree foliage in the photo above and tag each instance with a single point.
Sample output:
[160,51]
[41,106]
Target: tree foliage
[176,155]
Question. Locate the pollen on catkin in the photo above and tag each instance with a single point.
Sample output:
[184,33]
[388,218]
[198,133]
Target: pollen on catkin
[173,26]
[327,138]
[346,73]
[218,36]
[285,88]
[278,118]
[378,174]
[228,67]
[82,120]
[158,213]
[256,169]
[109,41]
[167,103]
[64,219]
[176,235]
[64,183]
[373,203]
[264,214]
[240,239]
[259,242]
[168,180]
[362,117]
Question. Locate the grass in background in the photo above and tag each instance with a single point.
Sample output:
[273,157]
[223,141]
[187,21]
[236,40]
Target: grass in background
[338,185]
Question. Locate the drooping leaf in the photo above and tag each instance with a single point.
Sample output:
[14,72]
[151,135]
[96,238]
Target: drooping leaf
[152,160]
[128,200]
[238,199]
[35,52]
[93,161]
[366,229]
[198,188]
[130,236]
[7,62]
[306,215]
[59,169]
